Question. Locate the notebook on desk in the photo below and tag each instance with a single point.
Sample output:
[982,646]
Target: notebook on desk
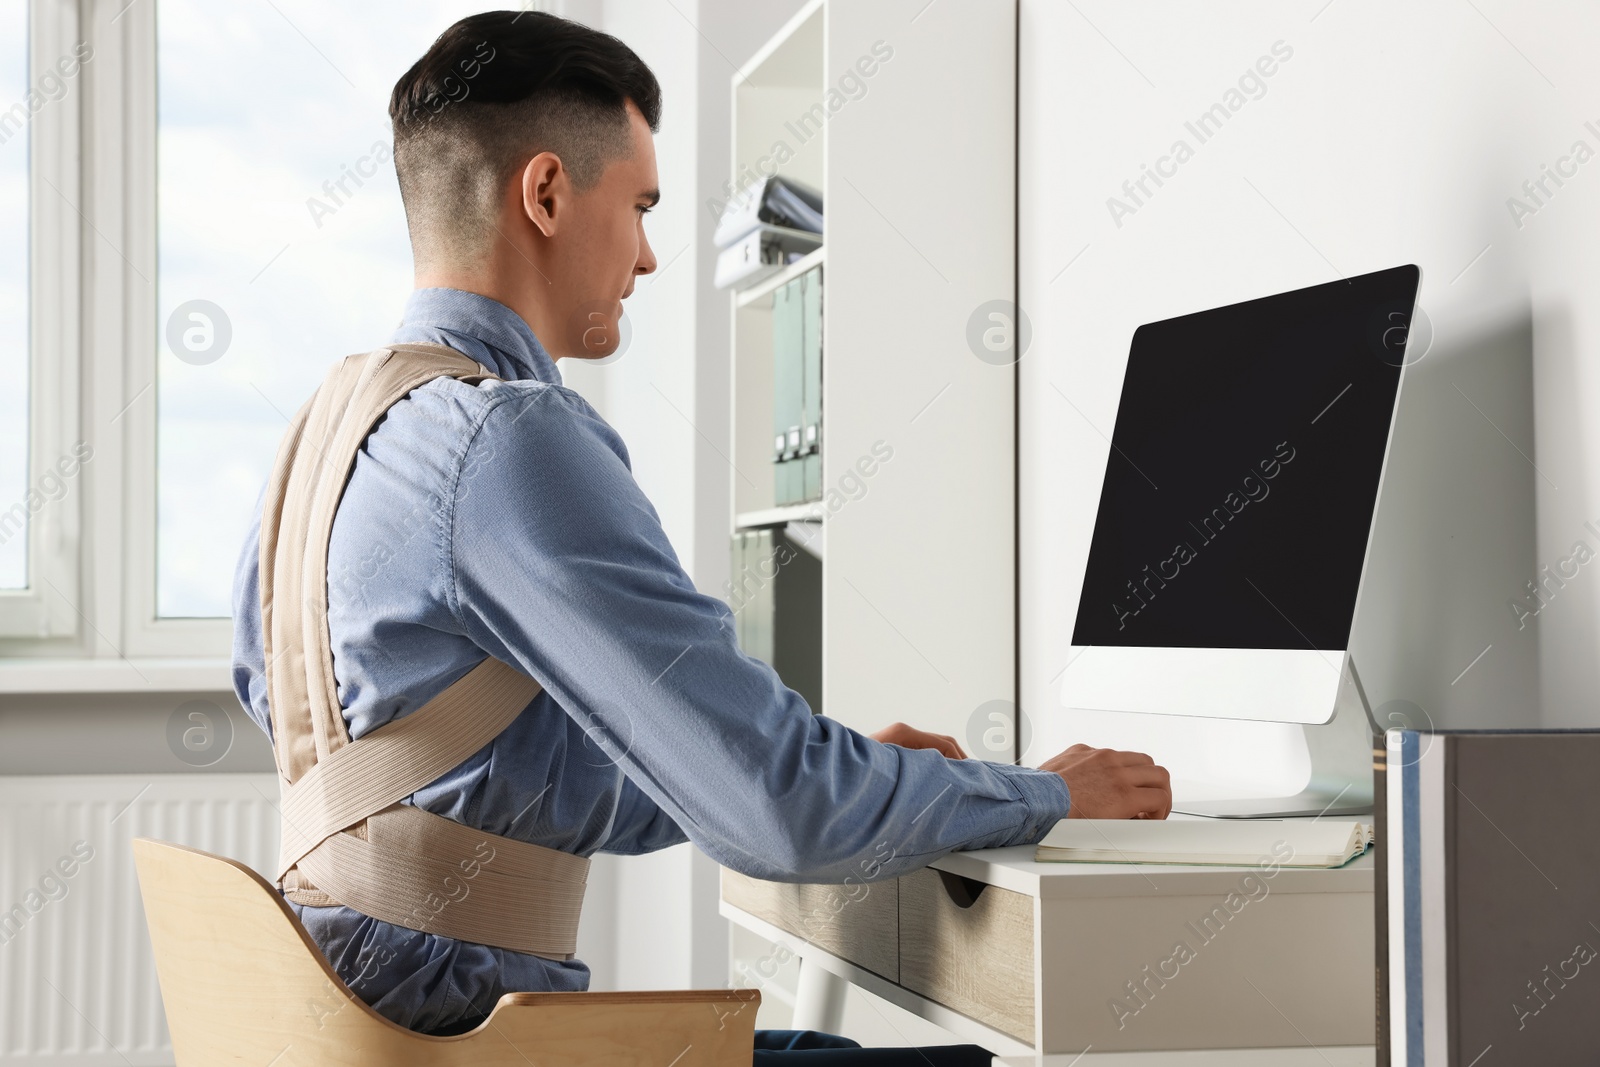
[1243,842]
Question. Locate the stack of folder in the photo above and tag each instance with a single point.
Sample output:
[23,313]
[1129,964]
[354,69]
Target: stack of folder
[777,603]
[797,389]
[1488,912]
[767,226]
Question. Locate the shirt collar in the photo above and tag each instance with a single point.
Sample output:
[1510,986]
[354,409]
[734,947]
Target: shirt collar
[477,326]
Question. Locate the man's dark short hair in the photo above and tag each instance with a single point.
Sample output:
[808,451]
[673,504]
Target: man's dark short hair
[495,90]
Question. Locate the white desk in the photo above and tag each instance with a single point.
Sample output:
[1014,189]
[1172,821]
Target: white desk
[1032,959]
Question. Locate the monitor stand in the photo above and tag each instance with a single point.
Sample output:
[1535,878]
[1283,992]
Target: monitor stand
[1341,766]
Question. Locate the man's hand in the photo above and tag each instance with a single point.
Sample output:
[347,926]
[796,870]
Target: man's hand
[909,737]
[1107,784]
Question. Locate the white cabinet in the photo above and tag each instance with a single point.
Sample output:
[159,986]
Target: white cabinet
[903,115]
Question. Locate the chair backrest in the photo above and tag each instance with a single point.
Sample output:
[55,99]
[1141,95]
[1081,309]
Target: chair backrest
[242,982]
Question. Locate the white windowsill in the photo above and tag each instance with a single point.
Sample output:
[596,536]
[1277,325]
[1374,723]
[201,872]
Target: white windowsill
[108,675]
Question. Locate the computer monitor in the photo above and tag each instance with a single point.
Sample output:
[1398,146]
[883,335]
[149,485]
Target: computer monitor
[1226,563]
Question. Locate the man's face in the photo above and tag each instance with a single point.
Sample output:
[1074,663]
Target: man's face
[606,249]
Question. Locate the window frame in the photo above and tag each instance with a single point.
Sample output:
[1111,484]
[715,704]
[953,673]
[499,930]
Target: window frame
[145,632]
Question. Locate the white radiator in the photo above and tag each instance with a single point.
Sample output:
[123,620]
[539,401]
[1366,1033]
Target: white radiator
[77,982]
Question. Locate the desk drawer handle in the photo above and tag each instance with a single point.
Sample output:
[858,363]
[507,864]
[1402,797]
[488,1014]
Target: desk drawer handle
[963,892]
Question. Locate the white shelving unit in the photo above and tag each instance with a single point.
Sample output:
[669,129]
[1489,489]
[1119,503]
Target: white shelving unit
[903,114]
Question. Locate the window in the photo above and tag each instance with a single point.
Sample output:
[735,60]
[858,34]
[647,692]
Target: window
[40,487]
[198,215]
[14,202]
[281,246]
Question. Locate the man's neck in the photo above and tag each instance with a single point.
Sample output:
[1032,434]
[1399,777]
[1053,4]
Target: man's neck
[501,287]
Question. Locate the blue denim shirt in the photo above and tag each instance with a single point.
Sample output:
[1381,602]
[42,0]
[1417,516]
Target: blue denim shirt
[503,519]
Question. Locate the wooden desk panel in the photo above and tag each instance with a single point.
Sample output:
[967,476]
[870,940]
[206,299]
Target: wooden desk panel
[971,951]
[858,922]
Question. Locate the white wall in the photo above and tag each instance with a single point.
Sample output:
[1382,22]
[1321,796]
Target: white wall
[1394,133]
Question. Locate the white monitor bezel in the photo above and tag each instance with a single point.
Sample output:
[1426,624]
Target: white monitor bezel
[1264,684]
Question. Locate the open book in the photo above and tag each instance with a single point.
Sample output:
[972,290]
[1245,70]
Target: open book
[1226,842]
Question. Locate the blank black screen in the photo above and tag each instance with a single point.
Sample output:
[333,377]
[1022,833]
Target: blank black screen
[1244,468]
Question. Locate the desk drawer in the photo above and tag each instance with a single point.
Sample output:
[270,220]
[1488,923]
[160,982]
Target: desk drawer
[969,946]
[856,922]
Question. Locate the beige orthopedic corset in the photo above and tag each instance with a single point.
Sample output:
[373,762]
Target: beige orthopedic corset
[346,838]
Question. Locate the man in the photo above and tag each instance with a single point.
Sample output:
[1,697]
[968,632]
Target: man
[500,519]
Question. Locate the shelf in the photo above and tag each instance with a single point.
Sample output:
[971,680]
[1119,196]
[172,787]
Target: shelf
[107,675]
[769,285]
[811,511]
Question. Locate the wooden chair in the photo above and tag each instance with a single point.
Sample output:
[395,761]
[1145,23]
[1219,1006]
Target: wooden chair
[243,983]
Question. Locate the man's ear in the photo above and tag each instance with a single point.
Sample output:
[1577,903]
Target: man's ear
[546,187]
